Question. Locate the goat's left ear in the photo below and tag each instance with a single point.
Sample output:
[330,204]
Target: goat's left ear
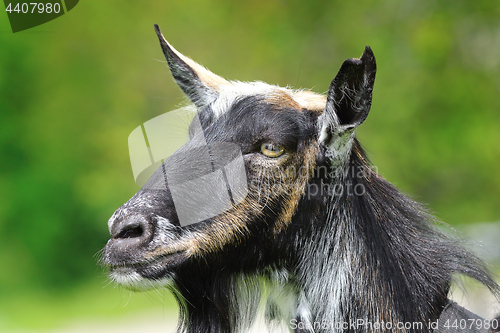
[198,83]
[349,97]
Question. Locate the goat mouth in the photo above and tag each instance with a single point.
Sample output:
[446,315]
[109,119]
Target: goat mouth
[152,269]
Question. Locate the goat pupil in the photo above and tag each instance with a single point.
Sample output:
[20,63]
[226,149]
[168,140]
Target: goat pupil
[271,147]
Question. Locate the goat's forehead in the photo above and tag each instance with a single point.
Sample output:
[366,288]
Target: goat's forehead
[279,97]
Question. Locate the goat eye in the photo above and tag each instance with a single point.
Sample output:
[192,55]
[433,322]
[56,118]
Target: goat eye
[271,150]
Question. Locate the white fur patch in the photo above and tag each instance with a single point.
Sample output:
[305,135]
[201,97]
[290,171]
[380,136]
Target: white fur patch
[127,277]
[269,303]
[229,93]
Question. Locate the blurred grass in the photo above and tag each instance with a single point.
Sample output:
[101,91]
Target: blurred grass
[73,89]
[41,310]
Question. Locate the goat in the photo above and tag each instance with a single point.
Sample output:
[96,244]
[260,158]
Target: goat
[317,240]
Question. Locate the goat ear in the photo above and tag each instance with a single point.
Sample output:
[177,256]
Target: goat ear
[198,83]
[349,95]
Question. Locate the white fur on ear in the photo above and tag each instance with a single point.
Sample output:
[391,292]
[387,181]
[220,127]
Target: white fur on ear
[348,103]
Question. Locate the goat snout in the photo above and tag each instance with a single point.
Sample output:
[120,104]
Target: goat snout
[129,234]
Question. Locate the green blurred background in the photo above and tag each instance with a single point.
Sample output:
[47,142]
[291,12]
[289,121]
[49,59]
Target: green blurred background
[73,89]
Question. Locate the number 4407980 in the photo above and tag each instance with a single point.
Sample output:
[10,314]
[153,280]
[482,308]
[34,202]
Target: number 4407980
[34,7]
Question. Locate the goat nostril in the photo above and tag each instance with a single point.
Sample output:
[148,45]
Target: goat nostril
[132,227]
[131,232]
